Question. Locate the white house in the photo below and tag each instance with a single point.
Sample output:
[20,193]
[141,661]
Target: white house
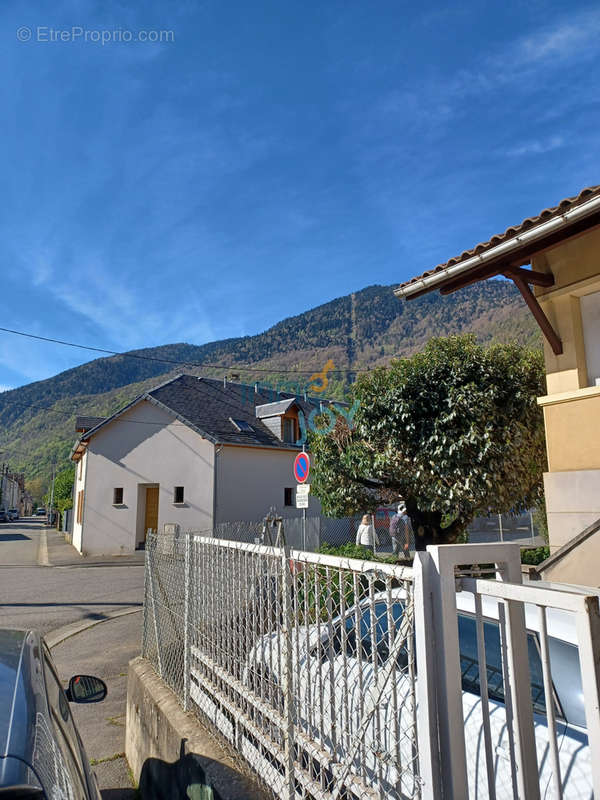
[192,451]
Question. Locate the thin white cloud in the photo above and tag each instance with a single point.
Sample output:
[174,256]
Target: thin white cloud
[4,388]
[536,147]
[572,37]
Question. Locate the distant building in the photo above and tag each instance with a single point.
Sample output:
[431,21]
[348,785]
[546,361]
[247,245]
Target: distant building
[562,245]
[13,494]
[193,451]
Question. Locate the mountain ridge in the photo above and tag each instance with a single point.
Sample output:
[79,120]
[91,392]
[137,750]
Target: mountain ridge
[359,331]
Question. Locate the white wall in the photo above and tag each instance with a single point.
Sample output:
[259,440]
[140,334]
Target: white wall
[80,470]
[143,446]
[251,479]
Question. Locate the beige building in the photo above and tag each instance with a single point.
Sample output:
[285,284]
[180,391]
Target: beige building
[192,452]
[562,290]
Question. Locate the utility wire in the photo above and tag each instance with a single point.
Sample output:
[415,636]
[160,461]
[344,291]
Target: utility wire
[233,366]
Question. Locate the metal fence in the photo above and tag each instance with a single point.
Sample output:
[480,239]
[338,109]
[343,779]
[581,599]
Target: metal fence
[315,531]
[304,662]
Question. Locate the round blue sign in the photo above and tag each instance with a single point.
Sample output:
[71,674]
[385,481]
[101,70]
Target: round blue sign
[301,467]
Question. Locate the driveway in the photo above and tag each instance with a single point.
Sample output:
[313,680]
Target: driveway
[88,609]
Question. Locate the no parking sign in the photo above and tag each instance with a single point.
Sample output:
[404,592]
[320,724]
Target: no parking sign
[301,467]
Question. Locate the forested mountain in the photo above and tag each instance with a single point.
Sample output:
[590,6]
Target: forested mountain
[365,329]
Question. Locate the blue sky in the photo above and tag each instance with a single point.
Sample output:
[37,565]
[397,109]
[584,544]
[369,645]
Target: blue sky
[273,156]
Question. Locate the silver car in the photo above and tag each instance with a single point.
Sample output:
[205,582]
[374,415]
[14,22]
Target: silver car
[340,660]
[41,753]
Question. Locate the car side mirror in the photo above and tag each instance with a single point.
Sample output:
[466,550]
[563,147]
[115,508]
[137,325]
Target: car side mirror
[86,689]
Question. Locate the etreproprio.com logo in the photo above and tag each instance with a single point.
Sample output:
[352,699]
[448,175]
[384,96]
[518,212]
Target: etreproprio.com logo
[316,384]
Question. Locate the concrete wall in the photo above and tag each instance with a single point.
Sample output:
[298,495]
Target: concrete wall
[251,479]
[573,433]
[145,446]
[156,729]
[580,565]
[572,503]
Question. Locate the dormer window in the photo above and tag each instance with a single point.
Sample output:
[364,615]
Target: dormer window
[289,430]
[241,425]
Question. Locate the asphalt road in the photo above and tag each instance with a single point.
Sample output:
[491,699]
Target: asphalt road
[48,597]
[45,584]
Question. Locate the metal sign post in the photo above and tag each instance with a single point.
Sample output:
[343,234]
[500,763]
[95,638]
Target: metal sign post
[302,492]
[301,472]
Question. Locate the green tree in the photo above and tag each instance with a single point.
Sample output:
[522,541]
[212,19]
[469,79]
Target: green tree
[455,430]
[37,487]
[63,489]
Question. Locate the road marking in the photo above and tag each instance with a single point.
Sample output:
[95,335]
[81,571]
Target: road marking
[60,634]
[42,558]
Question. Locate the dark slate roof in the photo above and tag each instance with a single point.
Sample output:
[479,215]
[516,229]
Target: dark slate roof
[83,424]
[207,405]
[513,231]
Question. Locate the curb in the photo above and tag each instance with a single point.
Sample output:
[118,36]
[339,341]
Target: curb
[42,554]
[67,631]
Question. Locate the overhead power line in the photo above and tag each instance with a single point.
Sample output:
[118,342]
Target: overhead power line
[206,364]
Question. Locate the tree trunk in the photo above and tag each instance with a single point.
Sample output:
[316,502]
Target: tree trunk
[427,527]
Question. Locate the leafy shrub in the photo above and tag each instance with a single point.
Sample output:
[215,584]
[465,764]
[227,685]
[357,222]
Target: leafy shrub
[351,550]
[535,555]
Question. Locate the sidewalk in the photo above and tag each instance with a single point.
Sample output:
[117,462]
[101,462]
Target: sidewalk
[62,554]
[104,650]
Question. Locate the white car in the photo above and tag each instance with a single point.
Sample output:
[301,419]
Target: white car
[333,676]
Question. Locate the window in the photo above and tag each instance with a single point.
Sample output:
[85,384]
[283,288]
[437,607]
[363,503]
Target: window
[288,497]
[566,676]
[241,425]
[347,640]
[469,663]
[118,496]
[178,494]
[79,507]
[289,430]
[590,320]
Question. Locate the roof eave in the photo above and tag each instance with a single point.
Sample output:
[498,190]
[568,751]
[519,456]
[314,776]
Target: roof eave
[509,249]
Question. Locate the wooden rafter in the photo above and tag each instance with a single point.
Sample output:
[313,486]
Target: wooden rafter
[528,275]
[531,276]
[536,310]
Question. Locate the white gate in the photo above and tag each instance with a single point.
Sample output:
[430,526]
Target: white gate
[513,678]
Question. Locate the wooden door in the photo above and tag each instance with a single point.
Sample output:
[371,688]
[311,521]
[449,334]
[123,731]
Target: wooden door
[151,519]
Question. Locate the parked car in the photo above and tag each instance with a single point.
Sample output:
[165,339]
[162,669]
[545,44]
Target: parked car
[341,659]
[40,512]
[41,752]
[3,515]
[12,514]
